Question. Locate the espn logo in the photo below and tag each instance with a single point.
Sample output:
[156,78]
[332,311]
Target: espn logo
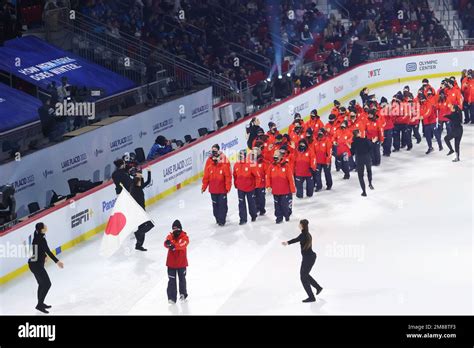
[411,67]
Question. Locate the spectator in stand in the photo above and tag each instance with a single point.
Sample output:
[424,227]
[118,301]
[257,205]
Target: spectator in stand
[161,147]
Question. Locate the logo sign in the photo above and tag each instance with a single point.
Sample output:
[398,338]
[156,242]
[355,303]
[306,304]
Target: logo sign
[162,126]
[410,67]
[97,152]
[431,64]
[119,144]
[177,169]
[107,205]
[74,162]
[80,218]
[47,172]
[230,144]
[338,89]
[199,111]
[23,183]
[374,72]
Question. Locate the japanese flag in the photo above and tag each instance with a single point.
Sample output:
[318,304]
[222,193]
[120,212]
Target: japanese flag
[126,216]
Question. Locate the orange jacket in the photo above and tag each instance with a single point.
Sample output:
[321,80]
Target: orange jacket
[261,167]
[246,176]
[323,149]
[331,129]
[218,178]
[280,178]
[443,110]
[359,124]
[427,113]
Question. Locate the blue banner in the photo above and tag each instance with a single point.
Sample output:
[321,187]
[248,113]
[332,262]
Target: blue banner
[36,61]
[16,108]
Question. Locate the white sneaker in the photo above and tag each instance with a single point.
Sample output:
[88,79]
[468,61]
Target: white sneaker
[171,302]
[183,298]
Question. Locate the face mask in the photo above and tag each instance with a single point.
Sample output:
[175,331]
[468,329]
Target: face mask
[215,153]
[274,130]
[297,130]
[275,159]
[176,233]
[302,148]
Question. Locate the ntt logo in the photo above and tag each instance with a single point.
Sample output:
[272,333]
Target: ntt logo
[411,67]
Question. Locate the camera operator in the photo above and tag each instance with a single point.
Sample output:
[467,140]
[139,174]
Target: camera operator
[136,190]
[52,127]
[121,176]
[161,147]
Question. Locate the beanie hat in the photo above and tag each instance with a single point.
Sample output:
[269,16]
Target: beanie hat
[177,224]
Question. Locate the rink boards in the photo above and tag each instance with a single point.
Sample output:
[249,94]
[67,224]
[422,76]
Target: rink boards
[79,219]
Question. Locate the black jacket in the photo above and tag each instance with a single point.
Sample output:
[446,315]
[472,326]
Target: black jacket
[361,147]
[252,132]
[120,176]
[137,191]
[40,250]
[302,240]
[455,119]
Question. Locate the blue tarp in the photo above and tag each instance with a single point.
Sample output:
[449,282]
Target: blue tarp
[16,108]
[39,63]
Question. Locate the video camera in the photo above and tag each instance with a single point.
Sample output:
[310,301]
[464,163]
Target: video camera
[131,164]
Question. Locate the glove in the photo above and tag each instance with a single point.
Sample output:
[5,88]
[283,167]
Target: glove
[168,243]
[172,247]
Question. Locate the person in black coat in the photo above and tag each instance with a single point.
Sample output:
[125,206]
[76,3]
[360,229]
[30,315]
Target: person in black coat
[455,122]
[253,129]
[309,258]
[36,264]
[362,148]
[136,191]
[121,176]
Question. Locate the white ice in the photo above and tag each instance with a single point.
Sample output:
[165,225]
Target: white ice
[405,249]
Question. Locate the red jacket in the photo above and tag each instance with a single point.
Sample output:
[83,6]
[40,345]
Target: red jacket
[454,97]
[272,136]
[374,130]
[359,124]
[427,113]
[315,125]
[280,178]
[261,167]
[246,176]
[304,162]
[331,129]
[178,257]
[323,150]
[343,139]
[443,110]
[468,90]
[218,178]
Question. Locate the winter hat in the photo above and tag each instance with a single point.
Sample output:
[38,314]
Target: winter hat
[383,100]
[177,224]
[271,124]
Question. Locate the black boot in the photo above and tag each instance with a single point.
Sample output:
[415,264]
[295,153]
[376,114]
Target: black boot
[429,151]
[309,299]
[42,309]
[140,248]
[318,290]
[363,194]
[371,187]
[450,152]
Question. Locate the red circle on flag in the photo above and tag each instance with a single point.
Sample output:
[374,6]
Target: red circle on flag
[116,224]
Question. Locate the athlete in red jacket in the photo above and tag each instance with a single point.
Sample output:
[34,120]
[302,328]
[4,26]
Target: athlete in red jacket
[375,135]
[305,166]
[467,90]
[281,181]
[314,122]
[218,178]
[343,140]
[272,132]
[261,166]
[177,261]
[429,119]
[246,177]
[322,150]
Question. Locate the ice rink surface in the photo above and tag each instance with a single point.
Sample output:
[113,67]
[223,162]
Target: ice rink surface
[407,248]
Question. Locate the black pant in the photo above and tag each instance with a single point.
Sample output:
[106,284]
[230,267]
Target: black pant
[260,200]
[362,163]
[375,153]
[431,130]
[455,134]
[387,143]
[343,162]
[299,180]
[219,207]
[171,290]
[327,176]
[250,196]
[306,264]
[467,112]
[283,206]
[44,284]
[416,132]
[140,233]
[398,131]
